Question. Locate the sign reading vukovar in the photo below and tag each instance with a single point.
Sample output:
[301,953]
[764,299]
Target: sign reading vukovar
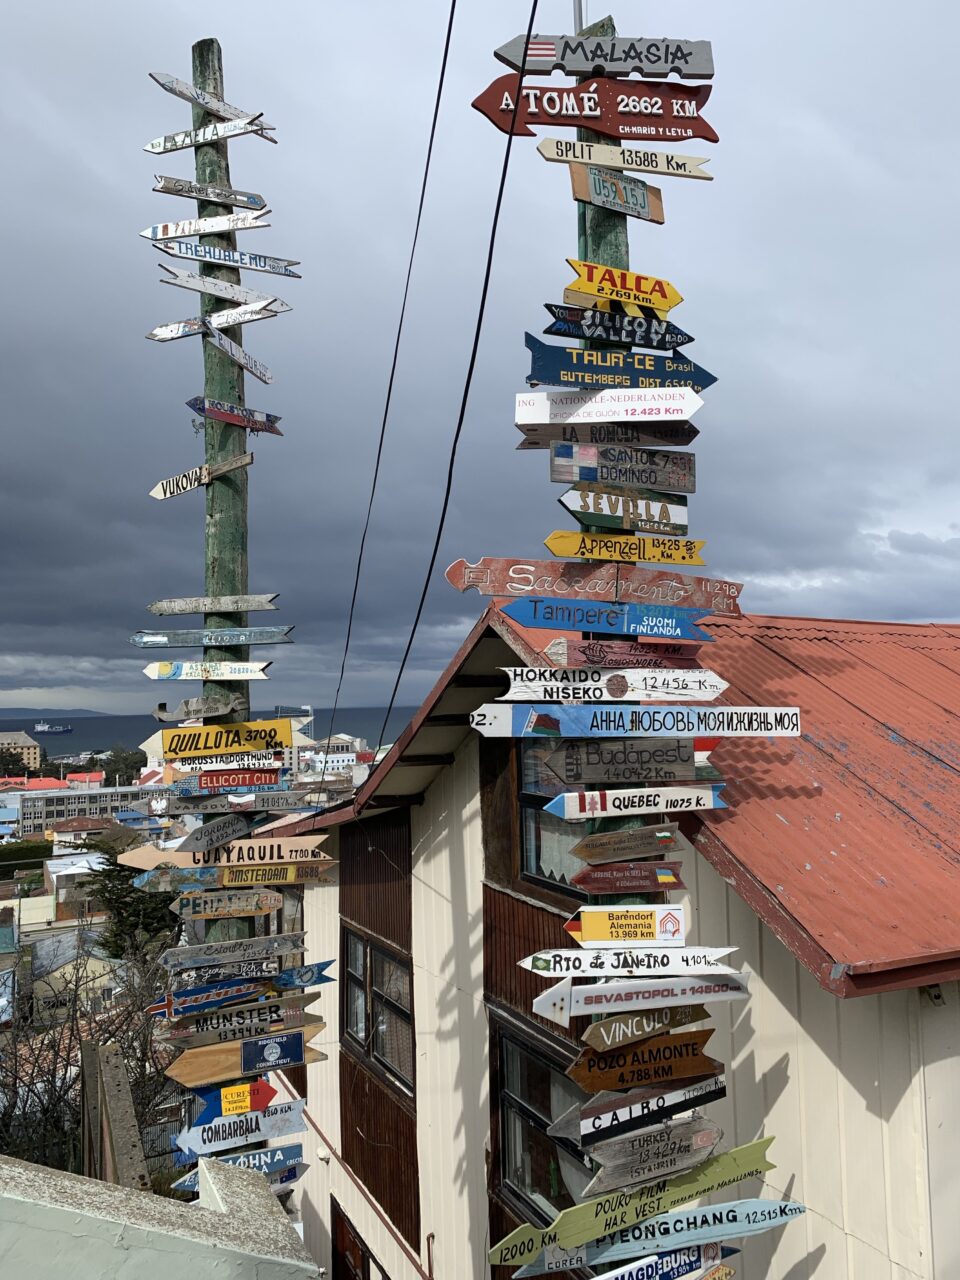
[548,720]
[657,621]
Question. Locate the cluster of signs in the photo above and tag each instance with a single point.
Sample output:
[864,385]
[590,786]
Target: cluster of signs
[623,700]
[237,1008]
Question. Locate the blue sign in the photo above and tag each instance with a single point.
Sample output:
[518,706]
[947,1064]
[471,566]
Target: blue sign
[638,621]
[209,995]
[662,1266]
[269,1053]
[607,368]
[309,975]
[178,879]
[273,1160]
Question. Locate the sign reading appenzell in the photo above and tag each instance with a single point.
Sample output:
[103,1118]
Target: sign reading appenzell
[607,326]
[583,55]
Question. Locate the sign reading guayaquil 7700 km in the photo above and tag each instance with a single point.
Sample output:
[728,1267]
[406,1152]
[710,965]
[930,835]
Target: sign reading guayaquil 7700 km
[226,739]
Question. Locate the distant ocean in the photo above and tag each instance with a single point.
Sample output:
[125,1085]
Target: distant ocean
[100,733]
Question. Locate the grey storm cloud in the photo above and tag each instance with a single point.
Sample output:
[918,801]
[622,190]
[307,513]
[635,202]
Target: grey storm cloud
[819,274]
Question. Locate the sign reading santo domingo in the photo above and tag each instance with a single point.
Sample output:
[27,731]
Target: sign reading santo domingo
[226,739]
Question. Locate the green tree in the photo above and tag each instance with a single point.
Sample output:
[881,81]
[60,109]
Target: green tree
[121,763]
[137,921]
[11,763]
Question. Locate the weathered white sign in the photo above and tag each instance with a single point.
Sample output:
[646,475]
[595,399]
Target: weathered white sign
[597,684]
[221,289]
[239,258]
[197,477]
[199,137]
[564,1001]
[627,963]
[237,354]
[206,670]
[239,1131]
[628,404]
[199,325]
[220,225]
[200,97]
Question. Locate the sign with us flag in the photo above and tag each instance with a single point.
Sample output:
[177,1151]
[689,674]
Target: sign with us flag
[578,806]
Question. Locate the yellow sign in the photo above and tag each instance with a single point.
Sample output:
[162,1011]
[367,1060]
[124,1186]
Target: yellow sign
[194,742]
[235,1100]
[622,926]
[619,284]
[625,547]
[232,877]
[723,1272]
[621,1210]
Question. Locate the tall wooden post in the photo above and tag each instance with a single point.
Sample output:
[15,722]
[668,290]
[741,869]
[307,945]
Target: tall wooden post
[602,233]
[225,532]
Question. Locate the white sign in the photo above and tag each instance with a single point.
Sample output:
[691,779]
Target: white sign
[564,1001]
[239,1131]
[627,963]
[221,224]
[639,158]
[237,354]
[581,806]
[221,289]
[597,684]
[631,404]
[206,670]
[197,325]
[199,137]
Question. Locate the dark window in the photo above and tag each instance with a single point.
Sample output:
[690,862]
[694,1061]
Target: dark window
[547,1173]
[352,1260]
[546,841]
[378,1012]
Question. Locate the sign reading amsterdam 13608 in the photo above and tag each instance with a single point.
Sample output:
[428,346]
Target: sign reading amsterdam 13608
[226,739]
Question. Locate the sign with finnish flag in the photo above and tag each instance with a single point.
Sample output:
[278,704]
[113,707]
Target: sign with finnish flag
[522,720]
[578,806]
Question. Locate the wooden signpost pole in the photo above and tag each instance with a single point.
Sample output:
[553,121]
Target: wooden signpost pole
[225,549]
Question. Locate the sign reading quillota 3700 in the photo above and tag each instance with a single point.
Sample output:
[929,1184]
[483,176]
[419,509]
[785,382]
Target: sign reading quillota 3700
[226,739]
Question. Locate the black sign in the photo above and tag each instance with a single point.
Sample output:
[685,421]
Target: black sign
[609,326]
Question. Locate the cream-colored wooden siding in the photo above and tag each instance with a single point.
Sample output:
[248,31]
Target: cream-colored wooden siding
[451,1046]
[840,1084]
[940,1045]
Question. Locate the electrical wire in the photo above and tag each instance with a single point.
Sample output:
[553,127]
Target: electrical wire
[468,381]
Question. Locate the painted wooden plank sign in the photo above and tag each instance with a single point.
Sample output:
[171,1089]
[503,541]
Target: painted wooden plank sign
[240,1131]
[206,707]
[219,256]
[662,1060]
[661,1152]
[578,806]
[176,880]
[304,873]
[221,289]
[234,1099]
[215,780]
[630,1027]
[213,604]
[261,802]
[613,108]
[629,877]
[592,1218]
[235,1022]
[212,834]
[601,368]
[626,547]
[629,654]
[620,284]
[215,637]
[612,761]
[616,927]
[201,137]
[609,189]
[679,1264]
[639,435]
[227,739]
[219,225]
[635,841]
[266,850]
[652,621]
[206,670]
[675,471]
[564,1001]
[175,959]
[200,98]
[500,720]
[270,1161]
[640,510]
[238,415]
[210,192]
[233,351]
[663,163]
[249,970]
[212,995]
[598,684]
[496,576]
[198,326]
[624,962]
[216,905]
[587,323]
[579,408]
[581,55]
[198,477]
[705,1225]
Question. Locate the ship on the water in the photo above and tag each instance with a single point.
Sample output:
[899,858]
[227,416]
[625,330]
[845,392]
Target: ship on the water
[42,727]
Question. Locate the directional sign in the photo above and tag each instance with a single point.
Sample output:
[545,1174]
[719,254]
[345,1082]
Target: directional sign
[613,507]
[626,547]
[245,969]
[238,415]
[587,323]
[639,620]
[617,927]
[583,1222]
[207,995]
[622,465]
[640,435]
[497,720]
[215,905]
[630,1027]
[212,834]
[176,879]
[582,55]
[201,137]
[218,637]
[627,962]
[200,98]
[257,852]
[240,1131]
[199,325]
[206,670]
[222,257]
[629,877]
[493,576]
[578,806]
[208,707]
[609,189]
[305,873]
[580,408]
[679,1264]
[214,194]
[598,684]
[234,1100]
[216,780]
[263,802]
[614,108]
[309,975]
[197,477]
[221,288]
[661,1060]
[175,959]
[213,604]
[233,351]
[704,1226]
[227,739]
[661,1152]
[611,1117]
[147,857]
[236,1022]
[221,224]
[632,842]
[662,163]
[619,284]
[570,652]
[601,368]
[564,1001]
[271,1161]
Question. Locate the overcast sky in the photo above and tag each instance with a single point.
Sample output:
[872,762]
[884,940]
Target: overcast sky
[819,271]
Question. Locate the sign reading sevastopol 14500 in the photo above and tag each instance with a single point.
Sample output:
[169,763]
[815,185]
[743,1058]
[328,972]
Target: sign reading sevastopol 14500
[518,720]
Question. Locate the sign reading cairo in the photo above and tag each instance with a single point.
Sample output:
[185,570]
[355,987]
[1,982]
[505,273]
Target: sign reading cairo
[226,739]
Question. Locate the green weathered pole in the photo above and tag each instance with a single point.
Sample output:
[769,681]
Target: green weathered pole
[602,234]
[225,531]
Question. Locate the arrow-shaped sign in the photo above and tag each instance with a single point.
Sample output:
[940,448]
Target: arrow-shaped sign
[238,415]
[608,1033]
[603,367]
[653,1153]
[626,547]
[583,55]
[205,995]
[614,108]
[240,1131]
[629,288]
[234,1100]
[579,806]
[564,1001]
[216,637]
[617,878]
[568,652]
[213,604]
[221,288]
[207,707]
[271,1161]
[639,435]
[197,477]
[199,325]
[662,163]
[200,98]
[627,963]
[580,408]
[206,670]
[177,879]
[213,834]
[633,841]
[611,1117]
[215,905]
[662,1060]
[175,959]
[642,510]
[213,193]
[588,323]
[678,1264]
[674,471]
[233,351]
[201,137]
[613,927]
[248,970]
[302,873]
[309,975]
[599,684]
[654,621]
[499,720]
[223,257]
[235,1022]
[220,225]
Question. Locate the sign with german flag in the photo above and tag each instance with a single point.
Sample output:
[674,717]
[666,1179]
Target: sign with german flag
[620,926]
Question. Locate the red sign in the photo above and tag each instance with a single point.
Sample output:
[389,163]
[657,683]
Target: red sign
[615,108]
[629,877]
[217,779]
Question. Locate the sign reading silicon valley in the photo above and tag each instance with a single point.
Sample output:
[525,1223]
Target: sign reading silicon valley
[662,163]
[603,368]
[607,326]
